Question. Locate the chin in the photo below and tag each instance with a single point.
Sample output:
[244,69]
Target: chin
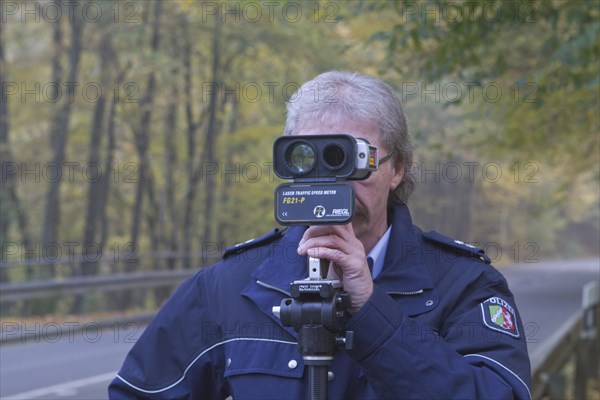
[359,224]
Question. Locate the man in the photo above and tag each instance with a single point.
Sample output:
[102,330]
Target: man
[432,320]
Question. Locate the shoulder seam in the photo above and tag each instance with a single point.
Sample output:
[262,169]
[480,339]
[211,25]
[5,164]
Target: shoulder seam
[457,245]
[256,242]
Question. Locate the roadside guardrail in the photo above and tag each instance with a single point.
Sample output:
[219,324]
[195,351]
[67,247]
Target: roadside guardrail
[563,367]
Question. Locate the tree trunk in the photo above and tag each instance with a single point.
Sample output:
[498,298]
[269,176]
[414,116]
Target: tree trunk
[108,164]
[142,142]
[89,264]
[142,137]
[88,267]
[192,128]
[57,70]
[169,216]
[211,134]
[222,227]
[152,219]
[59,134]
[6,160]
[112,302]
[10,203]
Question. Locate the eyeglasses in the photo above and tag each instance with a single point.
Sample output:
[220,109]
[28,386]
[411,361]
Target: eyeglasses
[386,158]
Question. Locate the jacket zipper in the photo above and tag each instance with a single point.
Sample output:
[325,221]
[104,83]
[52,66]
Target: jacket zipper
[265,285]
[407,293]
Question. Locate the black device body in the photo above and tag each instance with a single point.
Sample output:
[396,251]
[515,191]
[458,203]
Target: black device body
[319,165]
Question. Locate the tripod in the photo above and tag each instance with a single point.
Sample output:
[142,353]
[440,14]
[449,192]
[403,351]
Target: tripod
[316,311]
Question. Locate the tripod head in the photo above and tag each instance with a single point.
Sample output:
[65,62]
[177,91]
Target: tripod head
[316,311]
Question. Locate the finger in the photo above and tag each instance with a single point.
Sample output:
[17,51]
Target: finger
[342,231]
[340,236]
[347,265]
[331,241]
[328,253]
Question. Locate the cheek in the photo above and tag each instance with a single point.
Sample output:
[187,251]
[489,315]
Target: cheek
[373,189]
[367,194]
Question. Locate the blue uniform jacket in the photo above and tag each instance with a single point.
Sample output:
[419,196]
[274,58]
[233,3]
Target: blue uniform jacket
[441,323]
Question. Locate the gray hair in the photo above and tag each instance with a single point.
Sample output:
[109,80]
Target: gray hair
[335,96]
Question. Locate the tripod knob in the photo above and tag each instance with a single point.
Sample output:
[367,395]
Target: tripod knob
[277,311]
[345,341]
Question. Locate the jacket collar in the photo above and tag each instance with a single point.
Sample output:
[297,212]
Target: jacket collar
[404,270]
[284,265]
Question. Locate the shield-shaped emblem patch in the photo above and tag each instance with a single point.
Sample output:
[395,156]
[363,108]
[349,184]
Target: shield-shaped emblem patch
[499,315]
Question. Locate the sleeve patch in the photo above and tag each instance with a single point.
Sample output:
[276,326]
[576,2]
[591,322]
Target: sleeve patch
[499,316]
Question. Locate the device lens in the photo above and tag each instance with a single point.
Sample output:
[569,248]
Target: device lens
[300,158]
[334,156]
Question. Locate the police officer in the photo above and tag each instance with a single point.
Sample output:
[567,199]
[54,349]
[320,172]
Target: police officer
[431,318]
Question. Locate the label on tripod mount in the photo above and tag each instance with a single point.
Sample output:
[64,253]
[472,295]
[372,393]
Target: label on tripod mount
[326,288]
[314,204]
[309,288]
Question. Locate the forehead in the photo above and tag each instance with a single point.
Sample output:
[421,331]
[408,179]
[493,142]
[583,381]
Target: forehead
[361,129]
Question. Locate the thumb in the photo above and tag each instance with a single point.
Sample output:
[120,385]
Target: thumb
[333,272]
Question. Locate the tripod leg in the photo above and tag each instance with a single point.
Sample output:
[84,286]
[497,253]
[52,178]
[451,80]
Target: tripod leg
[317,381]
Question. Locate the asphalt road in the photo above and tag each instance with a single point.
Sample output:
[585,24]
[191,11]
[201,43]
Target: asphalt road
[548,294]
[61,362]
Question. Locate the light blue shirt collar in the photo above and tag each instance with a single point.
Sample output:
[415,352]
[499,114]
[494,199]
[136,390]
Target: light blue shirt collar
[377,253]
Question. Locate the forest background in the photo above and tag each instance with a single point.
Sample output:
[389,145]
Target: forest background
[137,135]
